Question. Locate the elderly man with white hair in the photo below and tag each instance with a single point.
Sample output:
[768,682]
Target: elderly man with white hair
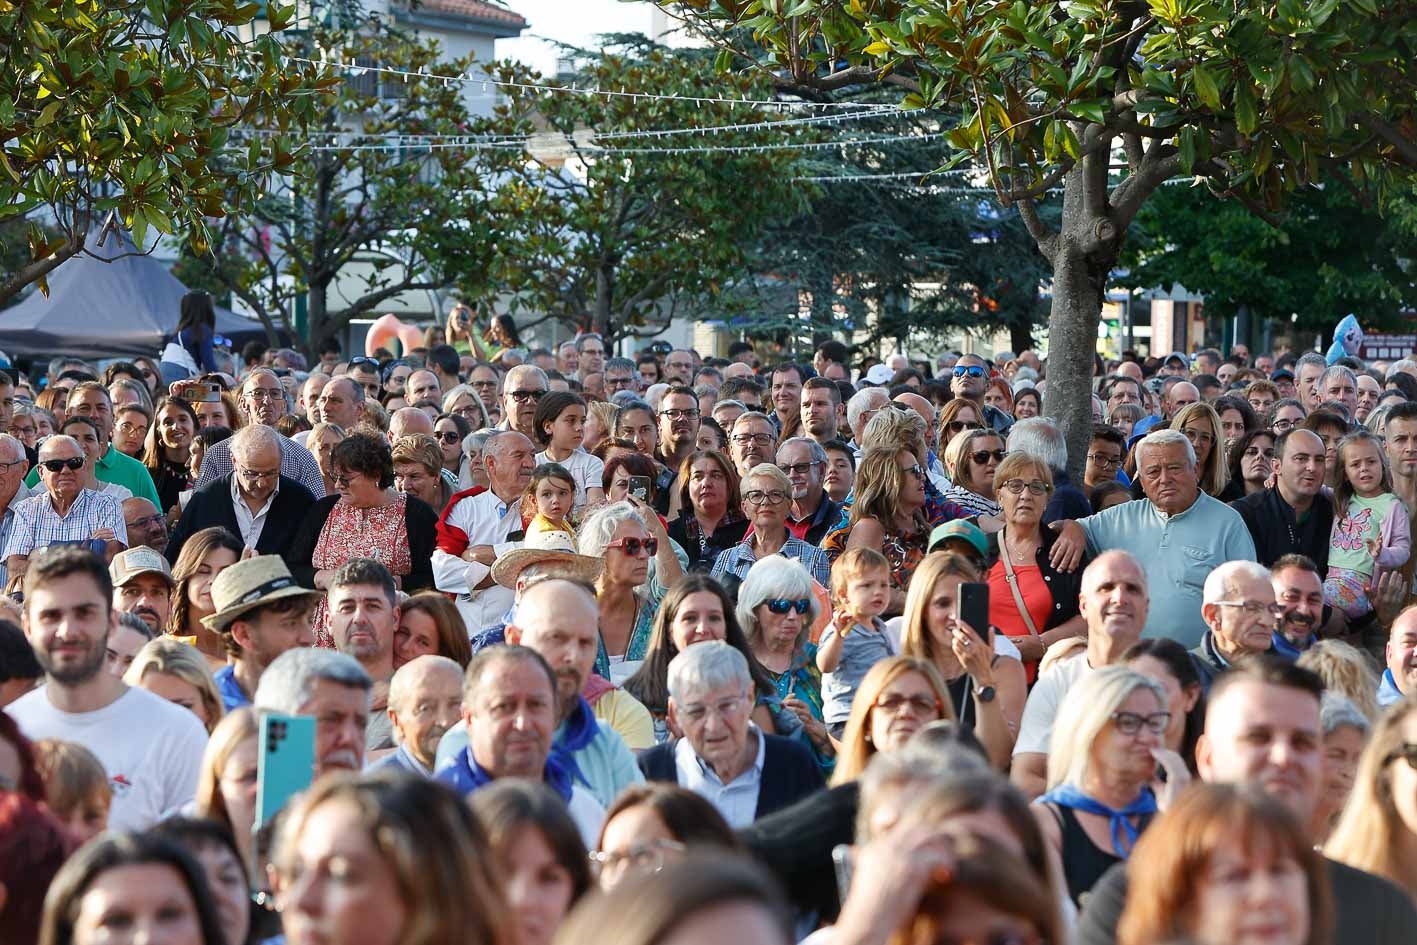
[333,688]
[1240,615]
[1177,532]
[522,390]
[425,701]
[723,757]
[255,501]
[860,409]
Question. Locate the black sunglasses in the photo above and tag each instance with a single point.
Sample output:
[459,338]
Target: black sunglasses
[982,456]
[55,465]
[778,605]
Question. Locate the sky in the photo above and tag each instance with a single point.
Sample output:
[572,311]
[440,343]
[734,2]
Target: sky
[571,21]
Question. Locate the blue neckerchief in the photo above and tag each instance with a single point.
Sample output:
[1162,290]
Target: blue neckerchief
[465,775]
[1068,796]
[1281,646]
[1388,693]
[578,731]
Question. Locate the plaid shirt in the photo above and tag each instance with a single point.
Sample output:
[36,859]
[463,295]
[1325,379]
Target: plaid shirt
[37,524]
[738,559]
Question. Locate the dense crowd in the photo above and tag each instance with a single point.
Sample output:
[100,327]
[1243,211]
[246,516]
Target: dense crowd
[685,650]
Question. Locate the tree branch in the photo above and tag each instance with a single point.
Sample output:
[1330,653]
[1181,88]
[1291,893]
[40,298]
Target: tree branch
[41,267]
[1044,235]
[1390,134]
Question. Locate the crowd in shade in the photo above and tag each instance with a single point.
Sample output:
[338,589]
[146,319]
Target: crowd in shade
[492,644]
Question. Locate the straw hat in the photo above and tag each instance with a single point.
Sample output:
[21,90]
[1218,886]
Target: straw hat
[250,583]
[553,549]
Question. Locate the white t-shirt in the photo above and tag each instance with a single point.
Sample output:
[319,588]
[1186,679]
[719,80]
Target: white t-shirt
[151,748]
[588,815]
[1035,730]
[586,469]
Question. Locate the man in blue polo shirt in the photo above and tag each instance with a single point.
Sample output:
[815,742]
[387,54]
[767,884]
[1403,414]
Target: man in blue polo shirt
[1177,532]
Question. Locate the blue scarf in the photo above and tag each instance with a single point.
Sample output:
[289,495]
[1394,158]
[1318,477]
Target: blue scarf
[465,775]
[1388,693]
[578,731]
[1069,796]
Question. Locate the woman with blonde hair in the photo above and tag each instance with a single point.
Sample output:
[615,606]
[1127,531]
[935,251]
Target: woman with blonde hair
[413,866]
[1201,425]
[971,460]
[1221,852]
[984,679]
[1106,744]
[178,673]
[1377,831]
[956,417]
[898,697]
[321,443]
[1346,670]
[226,783]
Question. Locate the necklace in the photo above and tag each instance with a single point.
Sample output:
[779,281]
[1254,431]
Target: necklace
[1019,554]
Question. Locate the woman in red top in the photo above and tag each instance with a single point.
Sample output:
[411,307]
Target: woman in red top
[1020,569]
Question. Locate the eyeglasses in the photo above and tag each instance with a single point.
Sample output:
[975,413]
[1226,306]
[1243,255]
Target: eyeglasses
[447,436]
[759,497]
[959,426]
[257,474]
[1103,460]
[919,705]
[1280,426]
[743,439]
[343,480]
[680,414]
[1129,723]
[148,521]
[1253,608]
[265,393]
[13,462]
[642,858]
[972,370]
[780,605]
[1407,751]
[523,396]
[799,469]
[633,546]
[55,465]
[1016,486]
[983,456]
[482,385]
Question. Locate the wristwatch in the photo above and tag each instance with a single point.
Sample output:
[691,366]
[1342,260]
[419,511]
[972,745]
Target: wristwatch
[984,693]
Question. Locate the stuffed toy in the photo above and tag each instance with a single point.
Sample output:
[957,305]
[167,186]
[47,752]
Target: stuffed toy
[1347,339]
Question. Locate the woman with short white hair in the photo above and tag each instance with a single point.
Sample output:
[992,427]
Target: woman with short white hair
[767,498]
[777,607]
[627,535]
[1107,741]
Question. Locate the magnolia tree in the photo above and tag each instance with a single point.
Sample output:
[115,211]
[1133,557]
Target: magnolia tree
[1103,101]
[122,111]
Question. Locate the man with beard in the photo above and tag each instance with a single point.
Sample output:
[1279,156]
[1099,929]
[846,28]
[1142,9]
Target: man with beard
[425,701]
[558,619]
[678,433]
[1400,676]
[510,714]
[333,688]
[1300,591]
[261,611]
[150,748]
[1293,517]
[1262,729]
[364,614]
[142,586]
[813,512]
[147,527]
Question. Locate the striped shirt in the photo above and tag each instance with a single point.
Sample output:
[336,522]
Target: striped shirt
[37,524]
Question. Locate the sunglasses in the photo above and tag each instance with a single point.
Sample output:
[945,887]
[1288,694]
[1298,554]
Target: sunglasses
[447,436]
[55,465]
[972,370]
[522,396]
[779,605]
[632,546]
[1407,752]
[959,426]
[983,456]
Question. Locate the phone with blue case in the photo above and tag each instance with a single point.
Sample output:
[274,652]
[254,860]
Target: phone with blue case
[286,765]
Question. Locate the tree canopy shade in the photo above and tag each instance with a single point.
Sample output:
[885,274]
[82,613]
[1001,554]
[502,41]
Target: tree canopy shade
[1331,254]
[1256,99]
[126,108]
[600,223]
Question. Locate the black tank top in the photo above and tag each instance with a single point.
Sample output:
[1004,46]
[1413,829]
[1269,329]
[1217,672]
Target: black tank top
[1083,861]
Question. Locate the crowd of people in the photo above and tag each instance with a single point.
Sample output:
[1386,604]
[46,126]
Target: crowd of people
[671,650]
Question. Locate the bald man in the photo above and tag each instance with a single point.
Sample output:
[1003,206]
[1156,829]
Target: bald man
[408,420]
[425,701]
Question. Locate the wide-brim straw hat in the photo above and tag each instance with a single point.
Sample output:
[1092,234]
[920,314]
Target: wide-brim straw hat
[251,583]
[554,550]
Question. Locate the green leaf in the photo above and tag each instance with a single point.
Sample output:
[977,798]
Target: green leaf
[1246,113]
[1186,148]
[1207,87]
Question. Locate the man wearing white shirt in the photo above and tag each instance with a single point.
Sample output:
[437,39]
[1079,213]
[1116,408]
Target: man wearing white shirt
[150,748]
[478,526]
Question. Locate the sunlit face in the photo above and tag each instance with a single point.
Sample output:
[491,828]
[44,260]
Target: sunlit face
[912,481]
[1202,436]
[539,887]
[1257,462]
[1261,401]
[1232,426]
[135,905]
[128,434]
[1115,753]
[1363,466]
[568,429]
[906,705]
[199,585]
[699,618]
[554,498]
[634,840]
[868,593]
[211,414]
[1026,405]
[417,635]
[765,503]
[175,427]
[413,478]
[840,475]
[1250,897]
[621,567]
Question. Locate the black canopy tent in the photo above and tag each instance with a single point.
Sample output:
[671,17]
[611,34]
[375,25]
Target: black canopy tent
[104,309]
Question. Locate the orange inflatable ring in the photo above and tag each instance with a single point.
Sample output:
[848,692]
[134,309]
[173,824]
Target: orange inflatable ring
[387,328]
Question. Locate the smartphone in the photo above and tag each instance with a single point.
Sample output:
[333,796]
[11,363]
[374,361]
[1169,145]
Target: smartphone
[639,487]
[972,606]
[286,764]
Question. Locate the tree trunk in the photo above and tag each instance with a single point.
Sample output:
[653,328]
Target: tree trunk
[1079,286]
[1020,337]
[604,291]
